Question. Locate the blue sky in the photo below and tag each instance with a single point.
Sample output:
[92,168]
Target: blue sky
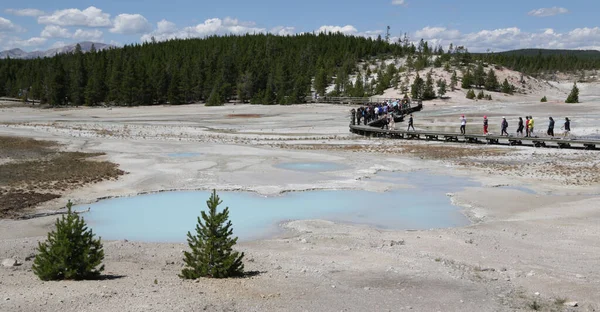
[478,25]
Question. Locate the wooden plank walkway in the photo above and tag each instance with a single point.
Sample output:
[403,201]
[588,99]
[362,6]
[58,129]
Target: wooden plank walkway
[477,138]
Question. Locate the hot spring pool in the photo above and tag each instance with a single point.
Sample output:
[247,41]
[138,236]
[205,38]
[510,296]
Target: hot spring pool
[168,216]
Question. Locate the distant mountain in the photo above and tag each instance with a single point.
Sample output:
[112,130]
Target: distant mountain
[551,52]
[86,46]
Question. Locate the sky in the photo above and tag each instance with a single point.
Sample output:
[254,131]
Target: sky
[478,25]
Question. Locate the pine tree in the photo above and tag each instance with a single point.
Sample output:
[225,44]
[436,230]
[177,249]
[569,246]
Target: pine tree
[507,87]
[57,88]
[453,81]
[574,95]
[441,84]
[544,99]
[429,91]
[470,94]
[174,93]
[78,78]
[321,82]
[467,80]
[479,76]
[480,95]
[211,248]
[417,88]
[215,98]
[70,252]
[491,82]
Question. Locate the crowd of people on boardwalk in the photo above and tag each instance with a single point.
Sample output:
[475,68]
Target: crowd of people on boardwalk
[528,125]
[385,110]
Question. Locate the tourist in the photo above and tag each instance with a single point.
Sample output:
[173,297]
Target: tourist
[531,124]
[520,128]
[526,126]
[504,126]
[485,125]
[410,123]
[551,127]
[566,127]
[463,124]
[392,122]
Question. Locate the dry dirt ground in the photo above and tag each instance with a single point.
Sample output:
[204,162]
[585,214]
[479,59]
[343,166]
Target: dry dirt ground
[524,251]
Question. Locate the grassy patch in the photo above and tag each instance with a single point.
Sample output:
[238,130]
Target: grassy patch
[37,172]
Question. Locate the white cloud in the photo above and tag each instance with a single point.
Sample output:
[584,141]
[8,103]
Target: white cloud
[437,32]
[25,12]
[88,35]
[53,31]
[8,26]
[129,24]
[26,43]
[398,2]
[545,12]
[283,31]
[215,26]
[514,38]
[346,30]
[90,17]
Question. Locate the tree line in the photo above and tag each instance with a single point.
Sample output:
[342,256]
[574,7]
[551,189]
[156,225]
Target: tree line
[261,69]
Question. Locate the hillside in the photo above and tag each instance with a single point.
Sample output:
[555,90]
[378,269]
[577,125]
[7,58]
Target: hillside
[268,69]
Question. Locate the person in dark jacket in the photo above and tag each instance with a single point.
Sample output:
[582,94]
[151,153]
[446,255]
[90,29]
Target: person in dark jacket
[520,128]
[504,126]
[410,123]
[551,127]
[567,127]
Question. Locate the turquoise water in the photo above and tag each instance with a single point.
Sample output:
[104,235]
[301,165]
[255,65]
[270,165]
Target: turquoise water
[166,217]
[312,166]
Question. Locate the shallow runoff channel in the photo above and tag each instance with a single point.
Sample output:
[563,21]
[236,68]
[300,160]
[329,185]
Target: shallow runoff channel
[168,216]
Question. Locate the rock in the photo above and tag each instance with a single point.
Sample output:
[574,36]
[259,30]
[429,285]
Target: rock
[6,299]
[530,274]
[537,294]
[571,304]
[579,276]
[367,288]
[9,263]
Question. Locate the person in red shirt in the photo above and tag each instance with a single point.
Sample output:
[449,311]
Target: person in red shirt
[485,125]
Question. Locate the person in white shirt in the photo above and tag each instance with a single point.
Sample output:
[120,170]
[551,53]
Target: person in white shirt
[463,124]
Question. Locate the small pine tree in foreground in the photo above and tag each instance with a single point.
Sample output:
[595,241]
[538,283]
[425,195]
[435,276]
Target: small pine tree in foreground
[574,95]
[470,94]
[212,254]
[71,252]
[544,99]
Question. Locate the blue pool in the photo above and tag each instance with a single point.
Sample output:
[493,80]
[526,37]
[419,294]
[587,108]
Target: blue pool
[168,216]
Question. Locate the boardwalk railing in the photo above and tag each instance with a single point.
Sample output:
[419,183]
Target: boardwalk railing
[476,138]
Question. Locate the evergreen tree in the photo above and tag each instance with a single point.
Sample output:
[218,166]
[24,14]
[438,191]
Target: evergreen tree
[480,95]
[453,81]
[70,252]
[211,253]
[441,84]
[544,99]
[467,80]
[57,87]
[95,87]
[175,95]
[78,78]
[215,98]
[429,91]
[507,87]
[574,95]
[129,86]
[417,88]
[479,75]
[491,82]
[470,94]
[321,82]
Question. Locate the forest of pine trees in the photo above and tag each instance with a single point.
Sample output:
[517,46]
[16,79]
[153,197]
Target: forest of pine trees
[260,69]
[263,69]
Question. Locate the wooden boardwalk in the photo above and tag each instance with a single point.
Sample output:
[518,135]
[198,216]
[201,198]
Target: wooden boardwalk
[581,143]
